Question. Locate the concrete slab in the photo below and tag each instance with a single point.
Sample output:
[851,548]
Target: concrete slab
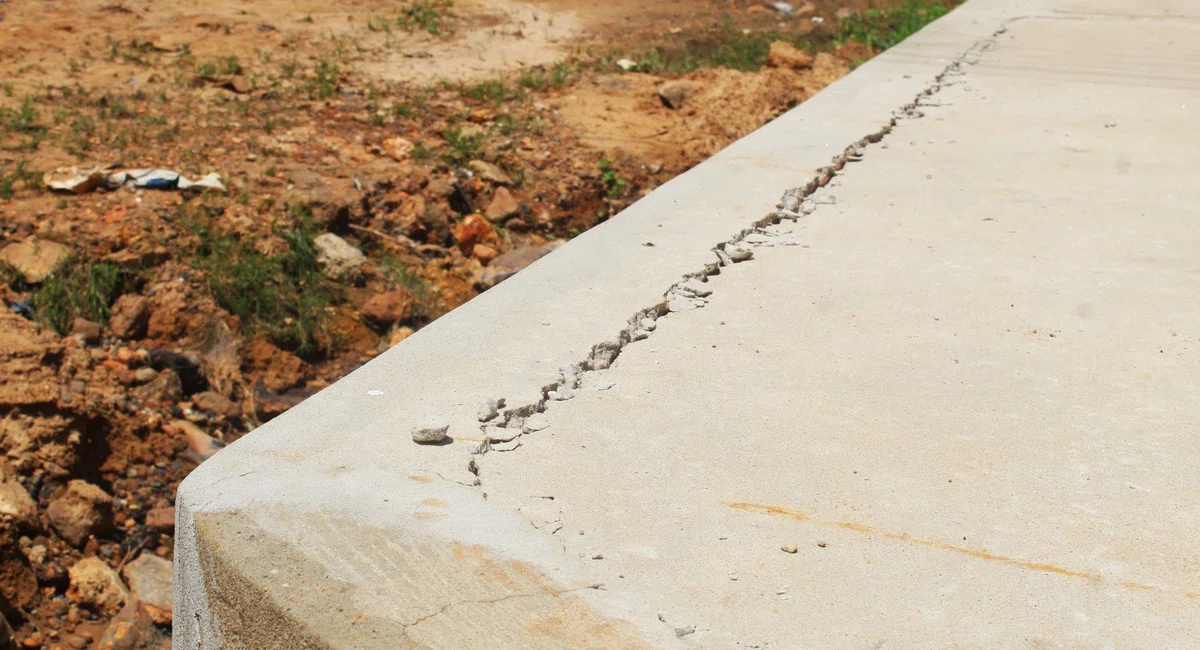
[960,387]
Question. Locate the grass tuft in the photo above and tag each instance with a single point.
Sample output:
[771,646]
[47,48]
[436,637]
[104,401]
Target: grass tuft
[78,289]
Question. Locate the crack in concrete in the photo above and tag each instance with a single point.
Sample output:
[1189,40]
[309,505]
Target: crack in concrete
[691,291]
[488,601]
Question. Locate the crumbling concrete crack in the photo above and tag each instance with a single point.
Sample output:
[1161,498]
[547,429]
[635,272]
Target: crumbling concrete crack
[692,291]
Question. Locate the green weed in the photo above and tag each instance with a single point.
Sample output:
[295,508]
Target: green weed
[21,173]
[880,29]
[614,185]
[283,296]
[78,289]
[428,15]
[463,147]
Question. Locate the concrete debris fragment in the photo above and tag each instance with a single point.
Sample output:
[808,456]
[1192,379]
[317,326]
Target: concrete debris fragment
[535,422]
[789,548]
[431,430]
[490,408]
[502,434]
[685,631]
[506,446]
[738,253]
[626,64]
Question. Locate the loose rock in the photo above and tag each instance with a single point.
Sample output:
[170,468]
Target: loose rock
[502,206]
[161,520]
[79,511]
[788,548]
[490,173]
[86,330]
[386,309]
[489,408]
[35,259]
[430,431]
[132,629]
[473,229]
[215,403]
[336,257]
[96,585]
[165,387]
[508,264]
[201,445]
[130,316]
[397,148]
[149,576]
[15,502]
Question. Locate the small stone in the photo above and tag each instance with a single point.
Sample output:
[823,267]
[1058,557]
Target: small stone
[674,94]
[386,309]
[201,445]
[77,642]
[32,641]
[86,330]
[15,502]
[430,431]
[473,229]
[149,576]
[597,556]
[502,206]
[508,264]
[822,544]
[785,55]
[144,375]
[684,631]
[626,64]
[336,257]
[397,148]
[79,511]
[164,387]
[132,629]
[789,548]
[490,173]
[34,259]
[95,584]
[130,316]
[161,520]
[215,403]
[484,253]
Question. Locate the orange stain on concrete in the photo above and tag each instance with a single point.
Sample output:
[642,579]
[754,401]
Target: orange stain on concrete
[975,553]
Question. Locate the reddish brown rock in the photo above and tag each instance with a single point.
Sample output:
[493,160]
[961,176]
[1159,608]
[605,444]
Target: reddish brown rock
[130,317]
[215,403]
[161,520]
[503,205]
[79,511]
[386,309]
[473,229]
[277,369]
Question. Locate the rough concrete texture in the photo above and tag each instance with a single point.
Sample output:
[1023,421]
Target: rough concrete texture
[956,375]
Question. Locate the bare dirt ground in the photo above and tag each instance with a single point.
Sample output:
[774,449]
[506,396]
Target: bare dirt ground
[383,162]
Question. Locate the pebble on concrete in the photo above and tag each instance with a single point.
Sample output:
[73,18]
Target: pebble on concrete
[789,548]
[430,431]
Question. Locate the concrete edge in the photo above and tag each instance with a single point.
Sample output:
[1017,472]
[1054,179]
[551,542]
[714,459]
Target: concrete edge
[329,527]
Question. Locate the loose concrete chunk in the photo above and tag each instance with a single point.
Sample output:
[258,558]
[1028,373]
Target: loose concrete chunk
[431,430]
[502,434]
[95,584]
[738,253]
[490,408]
